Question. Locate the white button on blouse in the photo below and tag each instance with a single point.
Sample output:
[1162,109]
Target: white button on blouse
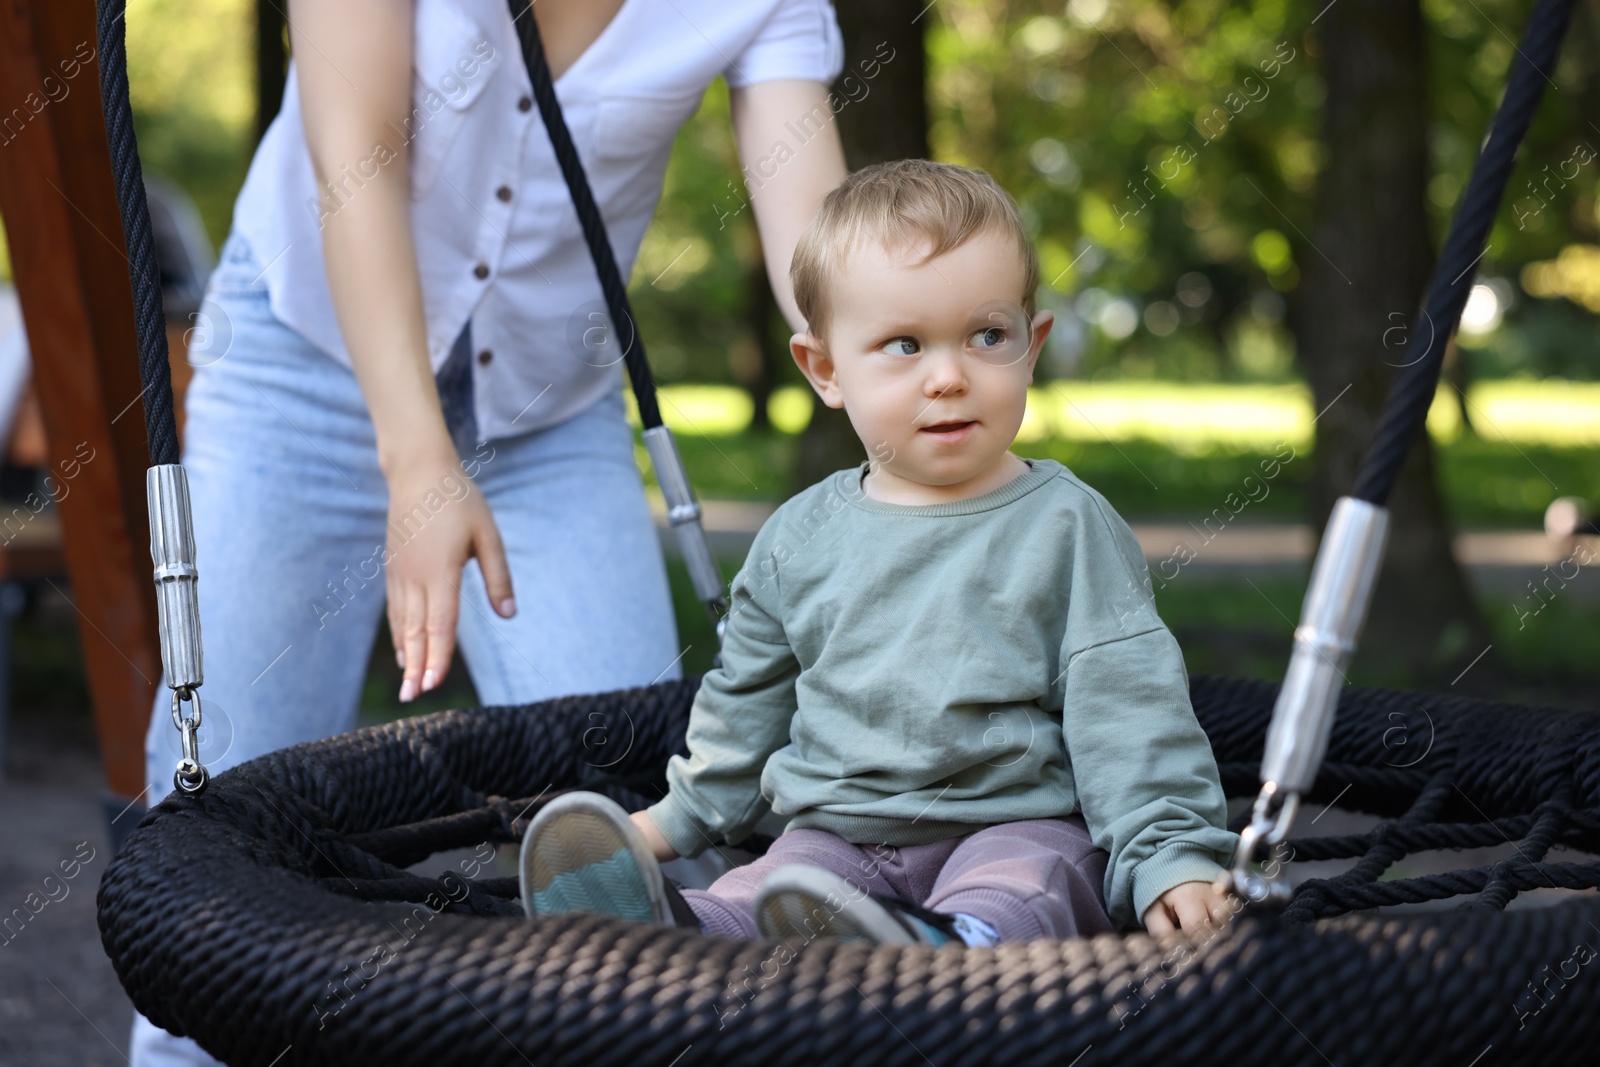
[496,235]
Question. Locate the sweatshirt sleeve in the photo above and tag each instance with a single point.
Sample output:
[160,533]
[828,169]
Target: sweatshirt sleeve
[1147,780]
[740,717]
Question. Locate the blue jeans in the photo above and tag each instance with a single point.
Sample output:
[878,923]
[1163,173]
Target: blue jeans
[290,518]
[290,512]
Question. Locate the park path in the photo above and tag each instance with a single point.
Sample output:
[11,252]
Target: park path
[60,1003]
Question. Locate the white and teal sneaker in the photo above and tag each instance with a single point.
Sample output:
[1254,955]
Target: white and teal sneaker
[799,900]
[582,853]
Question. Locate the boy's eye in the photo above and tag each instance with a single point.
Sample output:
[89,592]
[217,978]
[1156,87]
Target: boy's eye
[900,346]
[989,337]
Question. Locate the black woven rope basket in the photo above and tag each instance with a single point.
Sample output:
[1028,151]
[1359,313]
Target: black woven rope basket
[272,918]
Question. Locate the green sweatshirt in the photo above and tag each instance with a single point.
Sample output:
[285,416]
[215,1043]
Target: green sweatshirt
[901,674]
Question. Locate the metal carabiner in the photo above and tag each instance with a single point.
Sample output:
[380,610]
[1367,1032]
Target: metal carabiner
[191,776]
[1267,828]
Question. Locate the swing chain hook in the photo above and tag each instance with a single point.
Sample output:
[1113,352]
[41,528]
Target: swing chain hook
[1342,580]
[172,551]
[191,777]
[1270,820]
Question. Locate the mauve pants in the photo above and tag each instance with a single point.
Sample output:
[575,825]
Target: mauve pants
[1030,878]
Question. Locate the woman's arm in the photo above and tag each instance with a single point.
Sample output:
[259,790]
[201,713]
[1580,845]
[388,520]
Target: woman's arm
[785,202]
[353,62]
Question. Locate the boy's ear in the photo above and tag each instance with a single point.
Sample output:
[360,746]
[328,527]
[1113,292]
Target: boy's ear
[812,358]
[1042,321]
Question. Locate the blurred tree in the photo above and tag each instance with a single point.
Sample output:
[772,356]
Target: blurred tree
[272,61]
[759,355]
[1368,263]
[881,118]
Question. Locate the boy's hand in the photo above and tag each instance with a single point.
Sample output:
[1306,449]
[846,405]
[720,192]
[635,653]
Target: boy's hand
[658,844]
[1187,906]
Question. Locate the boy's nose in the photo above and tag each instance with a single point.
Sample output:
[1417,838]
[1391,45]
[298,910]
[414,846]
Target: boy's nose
[945,373]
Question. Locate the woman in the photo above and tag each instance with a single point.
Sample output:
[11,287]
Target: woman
[401,399]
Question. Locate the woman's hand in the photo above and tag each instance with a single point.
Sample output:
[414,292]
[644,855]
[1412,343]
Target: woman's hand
[438,519]
[658,844]
[1188,906]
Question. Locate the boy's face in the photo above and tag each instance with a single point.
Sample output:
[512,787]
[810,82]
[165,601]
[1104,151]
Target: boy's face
[912,347]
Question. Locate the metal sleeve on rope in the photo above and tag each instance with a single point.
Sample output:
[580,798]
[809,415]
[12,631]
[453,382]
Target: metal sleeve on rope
[683,512]
[1342,581]
[1335,607]
[172,552]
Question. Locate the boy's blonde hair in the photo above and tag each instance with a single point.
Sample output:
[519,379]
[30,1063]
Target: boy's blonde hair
[901,204]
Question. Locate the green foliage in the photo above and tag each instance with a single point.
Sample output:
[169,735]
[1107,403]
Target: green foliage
[1151,147]
[688,286]
[191,75]
[1165,154]
[1155,140]
[1494,483]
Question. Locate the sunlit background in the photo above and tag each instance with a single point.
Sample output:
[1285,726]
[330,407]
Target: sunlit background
[1173,360]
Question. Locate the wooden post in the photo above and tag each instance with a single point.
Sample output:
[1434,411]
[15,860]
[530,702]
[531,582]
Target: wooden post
[61,218]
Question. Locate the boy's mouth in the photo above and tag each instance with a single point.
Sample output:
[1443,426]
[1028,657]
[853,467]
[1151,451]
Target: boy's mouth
[948,427]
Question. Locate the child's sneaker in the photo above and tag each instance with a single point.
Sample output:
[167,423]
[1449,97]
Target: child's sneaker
[799,900]
[582,853]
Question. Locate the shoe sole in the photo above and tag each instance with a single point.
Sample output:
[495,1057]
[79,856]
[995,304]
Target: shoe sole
[582,853]
[793,902]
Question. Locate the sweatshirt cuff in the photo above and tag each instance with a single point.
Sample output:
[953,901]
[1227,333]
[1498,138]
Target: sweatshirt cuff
[678,826]
[1167,867]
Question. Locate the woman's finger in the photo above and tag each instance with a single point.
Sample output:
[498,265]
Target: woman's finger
[491,553]
[414,635]
[394,610]
[443,602]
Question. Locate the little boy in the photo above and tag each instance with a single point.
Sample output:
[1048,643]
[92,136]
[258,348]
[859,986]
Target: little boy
[943,666]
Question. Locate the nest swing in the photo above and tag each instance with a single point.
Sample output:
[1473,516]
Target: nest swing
[269,915]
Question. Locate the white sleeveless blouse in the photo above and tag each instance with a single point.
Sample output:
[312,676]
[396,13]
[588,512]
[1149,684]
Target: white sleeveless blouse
[496,235]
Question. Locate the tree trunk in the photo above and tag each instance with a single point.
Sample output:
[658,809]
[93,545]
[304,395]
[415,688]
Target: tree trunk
[272,63]
[1365,271]
[758,360]
[890,121]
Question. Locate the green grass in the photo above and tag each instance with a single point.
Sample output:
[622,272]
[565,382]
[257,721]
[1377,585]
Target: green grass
[1160,450]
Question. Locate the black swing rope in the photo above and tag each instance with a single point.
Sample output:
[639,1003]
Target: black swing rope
[273,917]
[594,227]
[155,373]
